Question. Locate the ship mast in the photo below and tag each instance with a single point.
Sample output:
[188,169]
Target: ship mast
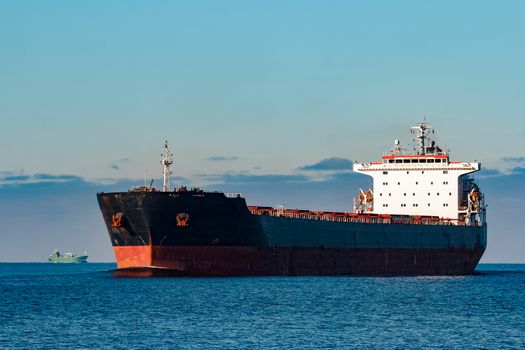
[166,161]
[420,129]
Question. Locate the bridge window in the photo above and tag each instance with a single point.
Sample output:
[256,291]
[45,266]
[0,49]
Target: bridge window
[391,161]
[406,160]
[413,161]
[431,161]
[422,160]
[399,160]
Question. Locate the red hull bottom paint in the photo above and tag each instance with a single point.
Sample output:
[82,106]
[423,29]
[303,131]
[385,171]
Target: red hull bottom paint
[253,261]
[133,256]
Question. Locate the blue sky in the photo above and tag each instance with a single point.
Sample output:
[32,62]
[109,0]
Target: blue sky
[249,93]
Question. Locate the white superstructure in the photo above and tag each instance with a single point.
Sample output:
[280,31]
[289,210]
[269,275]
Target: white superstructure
[424,183]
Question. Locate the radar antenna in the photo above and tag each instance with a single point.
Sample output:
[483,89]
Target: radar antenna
[166,161]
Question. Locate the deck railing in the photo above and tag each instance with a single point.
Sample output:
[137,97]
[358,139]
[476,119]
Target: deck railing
[356,218]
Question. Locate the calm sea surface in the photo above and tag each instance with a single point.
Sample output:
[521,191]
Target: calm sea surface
[83,306]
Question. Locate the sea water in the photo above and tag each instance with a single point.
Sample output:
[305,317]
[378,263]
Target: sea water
[82,306]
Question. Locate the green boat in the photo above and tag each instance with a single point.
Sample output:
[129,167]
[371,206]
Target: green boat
[57,257]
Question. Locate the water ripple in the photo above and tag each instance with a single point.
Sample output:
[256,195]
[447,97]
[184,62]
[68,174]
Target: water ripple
[83,306]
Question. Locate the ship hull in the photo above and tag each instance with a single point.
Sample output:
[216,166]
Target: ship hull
[207,234]
[253,261]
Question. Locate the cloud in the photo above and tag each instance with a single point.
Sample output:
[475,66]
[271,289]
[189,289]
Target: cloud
[513,159]
[57,203]
[334,163]
[518,171]
[320,171]
[10,172]
[117,165]
[36,178]
[16,178]
[488,172]
[53,213]
[222,158]
[51,177]
[243,178]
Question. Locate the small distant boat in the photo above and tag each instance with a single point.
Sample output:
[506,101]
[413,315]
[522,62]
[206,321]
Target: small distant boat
[57,257]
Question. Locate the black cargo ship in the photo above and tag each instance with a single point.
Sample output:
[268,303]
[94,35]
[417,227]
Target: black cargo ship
[197,233]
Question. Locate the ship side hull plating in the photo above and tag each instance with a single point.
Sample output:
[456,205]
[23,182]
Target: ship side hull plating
[207,234]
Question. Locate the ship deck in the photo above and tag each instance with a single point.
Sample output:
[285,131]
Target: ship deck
[357,218]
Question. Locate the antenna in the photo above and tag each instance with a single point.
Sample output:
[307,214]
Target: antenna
[166,161]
